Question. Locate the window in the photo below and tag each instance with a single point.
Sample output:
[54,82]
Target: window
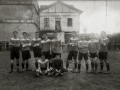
[69,22]
[46,22]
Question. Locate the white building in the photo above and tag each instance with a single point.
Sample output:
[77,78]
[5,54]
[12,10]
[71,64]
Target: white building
[59,17]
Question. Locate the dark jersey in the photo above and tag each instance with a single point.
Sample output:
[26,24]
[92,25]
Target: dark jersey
[58,64]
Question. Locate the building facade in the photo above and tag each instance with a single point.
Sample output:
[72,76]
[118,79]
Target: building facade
[18,15]
[59,17]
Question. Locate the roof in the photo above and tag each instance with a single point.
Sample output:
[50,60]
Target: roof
[43,7]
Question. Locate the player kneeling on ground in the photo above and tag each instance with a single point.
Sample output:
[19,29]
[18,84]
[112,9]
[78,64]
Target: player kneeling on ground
[58,66]
[93,51]
[43,67]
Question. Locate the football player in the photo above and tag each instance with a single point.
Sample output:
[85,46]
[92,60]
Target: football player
[83,52]
[36,44]
[43,66]
[46,47]
[93,51]
[73,51]
[56,46]
[25,42]
[104,52]
[14,52]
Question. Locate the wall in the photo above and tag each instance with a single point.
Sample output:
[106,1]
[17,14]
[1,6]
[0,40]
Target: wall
[20,15]
[7,29]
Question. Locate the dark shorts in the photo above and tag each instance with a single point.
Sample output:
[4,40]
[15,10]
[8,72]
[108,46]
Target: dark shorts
[103,55]
[47,54]
[15,53]
[72,54]
[81,55]
[43,69]
[54,54]
[37,51]
[93,55]
[26,55]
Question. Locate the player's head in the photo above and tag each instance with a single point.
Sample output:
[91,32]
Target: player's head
[92,35]
[103,34]
[82,37]
[43,57]
[36,34]
[44,36]
[55,35]
[15,33]
[57,56]
[24,34]
[73,34]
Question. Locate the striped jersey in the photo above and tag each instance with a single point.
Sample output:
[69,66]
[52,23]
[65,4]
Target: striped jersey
[73,44]
[36,42]
[104,48]
[25,44]
[93,46]
[45,45]
[83,46]
[55,46]
[43,64]
[15,42]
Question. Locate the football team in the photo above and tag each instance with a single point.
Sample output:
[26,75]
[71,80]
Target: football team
[47,53]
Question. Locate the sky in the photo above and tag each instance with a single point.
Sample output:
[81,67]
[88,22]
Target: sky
[94,17]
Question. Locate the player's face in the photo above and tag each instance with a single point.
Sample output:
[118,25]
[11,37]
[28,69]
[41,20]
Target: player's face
[73,35]
[43,57]
[25,35]
[103,34]
[36,35]
[92,36]
[57,57]
[44,36]
[82,37]
[15,34]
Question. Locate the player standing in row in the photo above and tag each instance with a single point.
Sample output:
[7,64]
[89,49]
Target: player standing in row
[104,52]
[46,47]
[56,46]
[83,52]
[93,51]
[15,53]
[36,44]
[25,42]
[73,51]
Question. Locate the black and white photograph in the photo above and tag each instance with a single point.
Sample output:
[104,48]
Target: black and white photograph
[59,44]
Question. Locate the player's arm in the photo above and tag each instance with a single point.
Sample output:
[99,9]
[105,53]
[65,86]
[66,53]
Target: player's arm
[32,43]
[47,65]
[50,47]
[18,43]
[80,46]
[98,47]
[39,67]
[29,43]
[61,65]
[11,44]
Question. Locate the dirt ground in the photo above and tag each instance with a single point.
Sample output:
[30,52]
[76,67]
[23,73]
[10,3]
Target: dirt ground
[70,81]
